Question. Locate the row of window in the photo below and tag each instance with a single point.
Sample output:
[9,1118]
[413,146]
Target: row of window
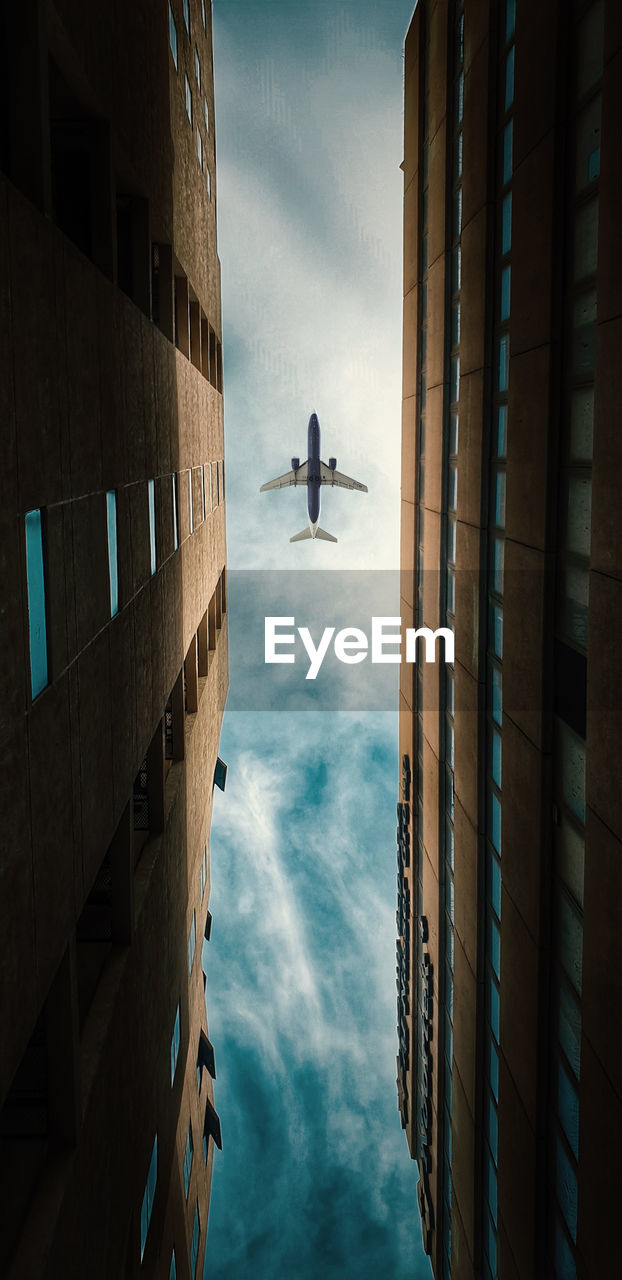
[210,479]
[172,29]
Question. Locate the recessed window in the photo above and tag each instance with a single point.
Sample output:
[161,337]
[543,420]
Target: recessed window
[172,1274]
[203,490]
[188,1158]
[197,67]
[220,774]
[35,577]
[175,511]
[187,15]
[188,100]
[113,566]
[203,15]
[204,872]
[194,1247]
[149,1197]
[208,182]
[172,35]
[217,484]
[152,525]
[190,502]
[192,941]
[175,1043]
[206,115]
[200,147]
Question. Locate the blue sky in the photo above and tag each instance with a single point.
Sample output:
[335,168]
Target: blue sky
[314,1179]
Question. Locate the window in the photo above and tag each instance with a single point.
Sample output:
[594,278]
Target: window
[187,15]
[206,115]
[188,100]
[175,1043]
[172,35]
[217,484]
[35,577]
[148,1198]
[175,511]
[113,570]
[203,871]
[208,182]
[220,774]
[197,67]
[172,1275]
[190,503]
[152,525]
[192,941]
[188,1157]
[203,490]
[194,1247]
[205,1058]
[203,15]
[199,147]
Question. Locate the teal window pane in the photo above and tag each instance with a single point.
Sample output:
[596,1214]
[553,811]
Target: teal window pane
[497,699]
[203,492]
[495,821]
[152,525]
[493,1127]
[491,1187]
[175,1043]
[172,1274]
[455,379]
[504,362]
[495,756]
[498,555]
[502,430]
[506,223]
[453,434]
[172,35]
[507,152]
[565,1266]
[188,1158]
[186,6]
[495,886]
[570,1028]
[491,1244]
[505,294]
[494,942]
[451,590]
[510,18]
[452,496]
[194,1246]
[493,1069]
[455,325]
[493,1006]
[570,941]
[496,630]
[568,1108]
[37,626]
[148,1197]
[499,499]
[113,563]
[192,942]
[566,1187]
[509,79]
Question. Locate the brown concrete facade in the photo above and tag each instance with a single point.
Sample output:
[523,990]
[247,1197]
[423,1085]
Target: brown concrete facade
[112,422]
[510,1076]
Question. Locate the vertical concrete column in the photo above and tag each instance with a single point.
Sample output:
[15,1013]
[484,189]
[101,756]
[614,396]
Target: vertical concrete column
[61,1022]
[167,292]
[155,779]
[122,868]
[195,334]
[182,315]
[177,705]
[203,645]
[28,93]
[192,687]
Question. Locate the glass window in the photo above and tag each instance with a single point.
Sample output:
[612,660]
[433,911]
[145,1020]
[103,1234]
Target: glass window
[203,871]
[197,67]
[495,886]
[570,857]
[495,754]
[571,764]
[565,1266]
[507,152]
[172,1275]
[148,1198]
[493,1069]
[491,1245]
[497,699]
[498,554]
[495,821]
[568,1108]
[172,35]
[509,79]
[510,18]
[206,115]
[190,502]
[502,430]
[186,4]
[203,491]
[192,941]
[505,294]
[452,497]
[152,524]
[113,567]
[491,1186]
[566,1186]
[506,223]
[500,499]
[35,580]
[570,941]
[194,1246]
[493,1006]
[588,145]
[203,15]
[208,182]
[188,1158]
[570,1027]
[199,147]
[494,942]
[451,540]
[504,360]
[175,512]
[188,100]
[579,516]
[497,630]
[493,1127]
[175,1043]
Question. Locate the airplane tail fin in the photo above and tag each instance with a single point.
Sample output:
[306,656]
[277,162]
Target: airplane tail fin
[306,533]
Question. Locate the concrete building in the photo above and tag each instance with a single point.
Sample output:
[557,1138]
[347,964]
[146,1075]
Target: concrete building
[510,812]
[113,634]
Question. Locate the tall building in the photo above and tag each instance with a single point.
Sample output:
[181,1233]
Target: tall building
[113,633]
[510,815]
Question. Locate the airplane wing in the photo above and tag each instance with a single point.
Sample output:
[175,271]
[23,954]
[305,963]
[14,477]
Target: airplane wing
[291,477]
[337,478]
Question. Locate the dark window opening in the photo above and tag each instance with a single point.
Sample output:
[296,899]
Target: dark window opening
[71,142]
[94,938]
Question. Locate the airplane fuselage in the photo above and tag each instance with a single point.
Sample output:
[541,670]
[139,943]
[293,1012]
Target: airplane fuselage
[313,482]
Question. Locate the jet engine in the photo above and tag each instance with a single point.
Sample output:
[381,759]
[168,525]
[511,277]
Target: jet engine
[332,462]
[295,464]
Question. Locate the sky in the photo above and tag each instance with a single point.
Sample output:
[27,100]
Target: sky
[314,1179]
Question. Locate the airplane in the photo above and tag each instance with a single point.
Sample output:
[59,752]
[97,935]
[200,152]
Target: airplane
[314,473]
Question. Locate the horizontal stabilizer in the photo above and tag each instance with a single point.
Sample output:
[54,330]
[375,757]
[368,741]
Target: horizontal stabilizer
[300,537]
[326,537]
[291,477]
[329,476]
